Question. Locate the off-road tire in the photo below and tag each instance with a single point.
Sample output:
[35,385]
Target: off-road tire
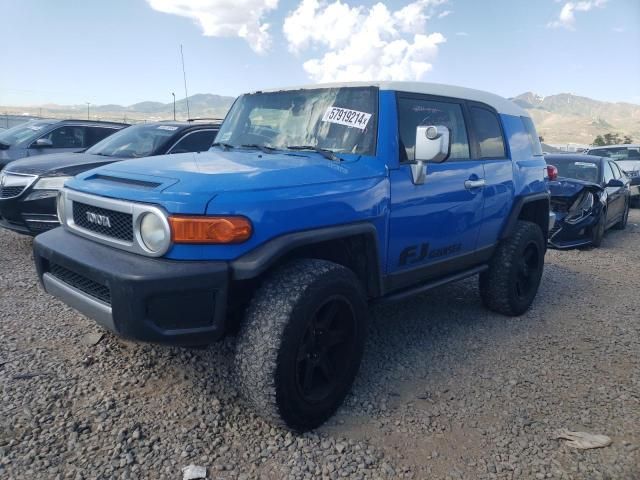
[622,224]
[274,330]
[498,283]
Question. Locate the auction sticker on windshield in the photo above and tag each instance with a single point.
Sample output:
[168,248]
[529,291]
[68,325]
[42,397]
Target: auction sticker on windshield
[167,127]
[344,116]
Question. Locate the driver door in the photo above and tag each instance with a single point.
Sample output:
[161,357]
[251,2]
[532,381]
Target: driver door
[433,226]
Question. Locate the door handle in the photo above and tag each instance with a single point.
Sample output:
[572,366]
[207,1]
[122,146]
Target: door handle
[470,184]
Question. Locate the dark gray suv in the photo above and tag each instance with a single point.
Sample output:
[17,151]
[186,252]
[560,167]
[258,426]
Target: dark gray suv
[37,137]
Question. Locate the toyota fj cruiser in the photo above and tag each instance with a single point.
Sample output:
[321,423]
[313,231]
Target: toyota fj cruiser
[312,203]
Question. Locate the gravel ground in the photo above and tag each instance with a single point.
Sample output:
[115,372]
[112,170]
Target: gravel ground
[447,390]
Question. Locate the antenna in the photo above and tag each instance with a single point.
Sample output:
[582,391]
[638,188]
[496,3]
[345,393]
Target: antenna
[184,76]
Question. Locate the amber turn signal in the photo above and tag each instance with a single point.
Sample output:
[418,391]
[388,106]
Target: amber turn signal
[191,229]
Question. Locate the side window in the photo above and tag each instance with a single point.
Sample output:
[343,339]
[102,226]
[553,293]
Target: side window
[95,134]
[616,170]
[68,136]
[195,142]
[414,112]
[608,173]
[488,132]
[534,139]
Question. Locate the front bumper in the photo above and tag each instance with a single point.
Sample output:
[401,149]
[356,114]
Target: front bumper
[31,213]
[564,235]
[139,298]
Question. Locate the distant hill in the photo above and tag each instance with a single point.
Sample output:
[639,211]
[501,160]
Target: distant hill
[200,105]
[560,119]
[567,118]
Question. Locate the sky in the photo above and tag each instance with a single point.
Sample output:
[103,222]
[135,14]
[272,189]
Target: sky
[127,51]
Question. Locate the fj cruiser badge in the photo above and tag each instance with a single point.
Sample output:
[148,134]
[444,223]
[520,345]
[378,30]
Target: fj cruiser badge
[102,220]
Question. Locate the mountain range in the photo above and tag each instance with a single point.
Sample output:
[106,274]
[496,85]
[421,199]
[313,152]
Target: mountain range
[567,118]
[560,119]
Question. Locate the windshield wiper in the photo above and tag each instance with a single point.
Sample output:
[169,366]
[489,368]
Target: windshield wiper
[225,146]
[263,148]
[328,154]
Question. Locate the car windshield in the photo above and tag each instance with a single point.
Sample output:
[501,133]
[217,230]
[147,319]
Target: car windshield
[578,169]
[341,120]
[134,142]
[618,153]
[26,131]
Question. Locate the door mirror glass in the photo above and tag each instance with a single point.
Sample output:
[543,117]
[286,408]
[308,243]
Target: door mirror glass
[433,143]
[42,143]
[614,182]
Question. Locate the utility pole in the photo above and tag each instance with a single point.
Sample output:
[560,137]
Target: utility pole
[184,76]
[88,104]
[174,106]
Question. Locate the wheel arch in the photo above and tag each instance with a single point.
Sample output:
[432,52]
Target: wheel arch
[354,246]
[533,208]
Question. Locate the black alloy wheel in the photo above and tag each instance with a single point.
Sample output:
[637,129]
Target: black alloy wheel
[328,343]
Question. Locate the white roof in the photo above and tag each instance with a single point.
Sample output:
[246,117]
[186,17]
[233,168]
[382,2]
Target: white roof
[502,105]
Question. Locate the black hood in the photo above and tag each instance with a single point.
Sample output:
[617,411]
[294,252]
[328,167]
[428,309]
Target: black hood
[60,163]
[566,190]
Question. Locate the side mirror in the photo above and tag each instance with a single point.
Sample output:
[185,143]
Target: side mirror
[615,183]
[433,144]
[42,143]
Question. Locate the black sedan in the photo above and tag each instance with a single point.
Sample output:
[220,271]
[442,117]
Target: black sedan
[29,186]
[589,195]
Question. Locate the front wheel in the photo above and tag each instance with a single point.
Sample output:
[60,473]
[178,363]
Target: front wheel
[511,282]
[622,224]
[301,343]
[597,231]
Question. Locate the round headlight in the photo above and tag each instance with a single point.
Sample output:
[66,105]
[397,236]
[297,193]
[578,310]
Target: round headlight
[153,232]
[60,207]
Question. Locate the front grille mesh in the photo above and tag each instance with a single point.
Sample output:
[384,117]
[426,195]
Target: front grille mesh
[121,223]
[94,289]
[8,192]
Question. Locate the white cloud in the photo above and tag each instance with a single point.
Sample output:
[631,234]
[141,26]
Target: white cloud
[446,13]
[225,18]
[462,34]
[363,43]
[567,17]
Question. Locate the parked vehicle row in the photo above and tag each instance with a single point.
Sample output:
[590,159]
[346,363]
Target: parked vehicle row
[29,186]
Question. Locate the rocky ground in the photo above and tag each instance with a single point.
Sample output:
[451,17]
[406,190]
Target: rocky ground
[447,390]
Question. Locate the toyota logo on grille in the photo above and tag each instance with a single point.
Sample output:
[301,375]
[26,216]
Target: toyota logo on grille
[98,219]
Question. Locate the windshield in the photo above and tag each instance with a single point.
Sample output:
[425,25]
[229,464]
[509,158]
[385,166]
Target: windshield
[618,153]
[578,169]
[134,142]
[342,120]
[26,131]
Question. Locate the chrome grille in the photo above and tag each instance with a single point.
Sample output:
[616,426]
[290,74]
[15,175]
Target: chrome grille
[120,223]
[13,184]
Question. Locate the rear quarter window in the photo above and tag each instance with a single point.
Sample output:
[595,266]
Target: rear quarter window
[534,140]
[488,133]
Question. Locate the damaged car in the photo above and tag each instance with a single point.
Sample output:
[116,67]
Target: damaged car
[589,195]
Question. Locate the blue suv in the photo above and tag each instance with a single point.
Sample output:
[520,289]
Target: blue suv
[312,203]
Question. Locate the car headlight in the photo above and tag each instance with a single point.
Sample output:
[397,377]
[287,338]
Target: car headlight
[50,183]
[154,232]
[581,207]
[60,207]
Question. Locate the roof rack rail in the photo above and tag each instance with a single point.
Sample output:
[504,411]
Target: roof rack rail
[204,119]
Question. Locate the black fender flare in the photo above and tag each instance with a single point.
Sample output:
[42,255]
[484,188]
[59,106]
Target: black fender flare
[252,264]
[510,224]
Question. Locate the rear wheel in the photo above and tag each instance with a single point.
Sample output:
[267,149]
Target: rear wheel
[511,282]
[301,343]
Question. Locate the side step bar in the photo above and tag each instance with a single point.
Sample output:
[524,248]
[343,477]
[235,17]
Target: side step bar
[408,292]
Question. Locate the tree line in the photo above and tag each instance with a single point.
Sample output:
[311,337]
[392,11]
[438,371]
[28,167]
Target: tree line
[612,139]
